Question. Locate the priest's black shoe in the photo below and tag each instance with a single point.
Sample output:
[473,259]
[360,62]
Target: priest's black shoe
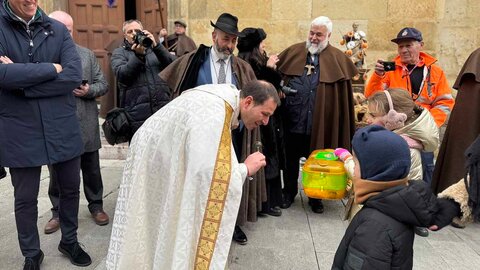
[275,211]
[317,205]
[75,253]
[33,263]
[239,236]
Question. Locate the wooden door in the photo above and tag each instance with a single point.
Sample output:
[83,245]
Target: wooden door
[153,17]
[95,25]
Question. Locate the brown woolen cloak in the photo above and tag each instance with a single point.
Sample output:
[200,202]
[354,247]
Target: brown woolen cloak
[254,191]
[180,44]
[463,126]
[333,120]
[176,72]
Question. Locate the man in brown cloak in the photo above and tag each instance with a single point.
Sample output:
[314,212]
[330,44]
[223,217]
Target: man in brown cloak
[217,64]
[178,43]
[463,126]
[321,113]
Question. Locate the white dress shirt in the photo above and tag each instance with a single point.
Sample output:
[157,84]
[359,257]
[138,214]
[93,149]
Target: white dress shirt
[215,67]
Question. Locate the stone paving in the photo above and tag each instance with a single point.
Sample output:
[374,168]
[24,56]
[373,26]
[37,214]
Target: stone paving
[299,239]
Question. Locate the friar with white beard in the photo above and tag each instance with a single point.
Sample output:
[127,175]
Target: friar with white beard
[320,115]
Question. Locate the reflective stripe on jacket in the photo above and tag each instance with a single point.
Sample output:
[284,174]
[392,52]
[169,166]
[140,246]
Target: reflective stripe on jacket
[435,94]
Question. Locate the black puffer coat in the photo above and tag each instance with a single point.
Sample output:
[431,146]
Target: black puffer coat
[381,234]
[141,90]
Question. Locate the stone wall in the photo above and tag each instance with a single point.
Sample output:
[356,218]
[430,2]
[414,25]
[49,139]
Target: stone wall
[451,28]
[52,5]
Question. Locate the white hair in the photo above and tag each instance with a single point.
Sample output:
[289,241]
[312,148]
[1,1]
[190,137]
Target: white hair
[323,21]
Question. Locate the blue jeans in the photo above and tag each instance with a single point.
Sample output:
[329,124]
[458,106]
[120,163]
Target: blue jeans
[427,166]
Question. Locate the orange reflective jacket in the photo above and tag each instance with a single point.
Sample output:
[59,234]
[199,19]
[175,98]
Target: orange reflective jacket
[435,94]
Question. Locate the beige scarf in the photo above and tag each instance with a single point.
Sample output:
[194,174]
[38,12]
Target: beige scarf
[365,189]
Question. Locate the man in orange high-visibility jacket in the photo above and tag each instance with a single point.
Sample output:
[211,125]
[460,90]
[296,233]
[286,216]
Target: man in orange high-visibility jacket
[416,72]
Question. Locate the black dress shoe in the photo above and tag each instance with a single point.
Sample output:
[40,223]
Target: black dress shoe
[239,236]
[33,263]
[275,211]
[75,253]
[317,205]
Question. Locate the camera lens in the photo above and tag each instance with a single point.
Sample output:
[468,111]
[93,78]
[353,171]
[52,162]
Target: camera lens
[142,39]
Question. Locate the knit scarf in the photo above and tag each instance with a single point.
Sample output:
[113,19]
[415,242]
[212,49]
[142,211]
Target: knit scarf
[365,189]
[472,156]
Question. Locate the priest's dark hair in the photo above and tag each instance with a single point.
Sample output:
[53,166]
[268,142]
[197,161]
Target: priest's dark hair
[472,155]
[260,91]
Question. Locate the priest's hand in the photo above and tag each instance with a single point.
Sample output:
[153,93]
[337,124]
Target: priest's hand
[255,162]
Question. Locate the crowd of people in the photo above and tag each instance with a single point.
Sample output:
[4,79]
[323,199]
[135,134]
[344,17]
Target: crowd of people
[215,139]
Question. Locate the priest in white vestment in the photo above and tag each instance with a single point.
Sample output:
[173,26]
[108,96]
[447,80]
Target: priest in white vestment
[182,183]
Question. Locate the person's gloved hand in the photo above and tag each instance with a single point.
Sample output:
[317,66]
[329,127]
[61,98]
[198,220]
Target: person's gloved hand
[447,210]
[342,154]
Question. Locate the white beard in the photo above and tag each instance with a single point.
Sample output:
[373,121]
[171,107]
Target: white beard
[316,48]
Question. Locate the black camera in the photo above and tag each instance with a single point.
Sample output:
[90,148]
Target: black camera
[388,66]
[142,39]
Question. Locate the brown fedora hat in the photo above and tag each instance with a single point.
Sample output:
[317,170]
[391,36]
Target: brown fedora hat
[228,24]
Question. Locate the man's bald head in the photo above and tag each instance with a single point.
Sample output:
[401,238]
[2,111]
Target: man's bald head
[64,18]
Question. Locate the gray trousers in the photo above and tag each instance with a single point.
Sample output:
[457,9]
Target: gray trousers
[26,183]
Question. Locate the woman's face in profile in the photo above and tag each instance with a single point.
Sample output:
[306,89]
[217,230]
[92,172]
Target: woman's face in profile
[261,47]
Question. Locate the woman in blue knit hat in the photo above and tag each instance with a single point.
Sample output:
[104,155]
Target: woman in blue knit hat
[381,235]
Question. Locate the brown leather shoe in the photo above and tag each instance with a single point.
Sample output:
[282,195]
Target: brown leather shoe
[100,217]
[52,225]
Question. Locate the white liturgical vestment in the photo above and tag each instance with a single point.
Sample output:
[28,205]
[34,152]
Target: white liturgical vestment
[181,186]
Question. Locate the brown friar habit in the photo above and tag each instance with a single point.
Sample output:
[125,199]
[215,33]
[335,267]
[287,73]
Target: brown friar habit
[463,126]
[333,120]
[182,75]
[179,44]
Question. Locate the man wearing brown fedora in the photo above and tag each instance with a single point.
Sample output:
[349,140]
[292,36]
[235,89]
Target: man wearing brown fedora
[218,65]
[177,43]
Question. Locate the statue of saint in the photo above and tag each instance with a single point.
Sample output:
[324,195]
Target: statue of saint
[356,43]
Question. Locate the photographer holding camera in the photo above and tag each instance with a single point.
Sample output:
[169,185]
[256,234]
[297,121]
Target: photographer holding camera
[417,73]
[136,66]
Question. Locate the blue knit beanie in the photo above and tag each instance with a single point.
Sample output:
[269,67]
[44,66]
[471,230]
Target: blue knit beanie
[382,154]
